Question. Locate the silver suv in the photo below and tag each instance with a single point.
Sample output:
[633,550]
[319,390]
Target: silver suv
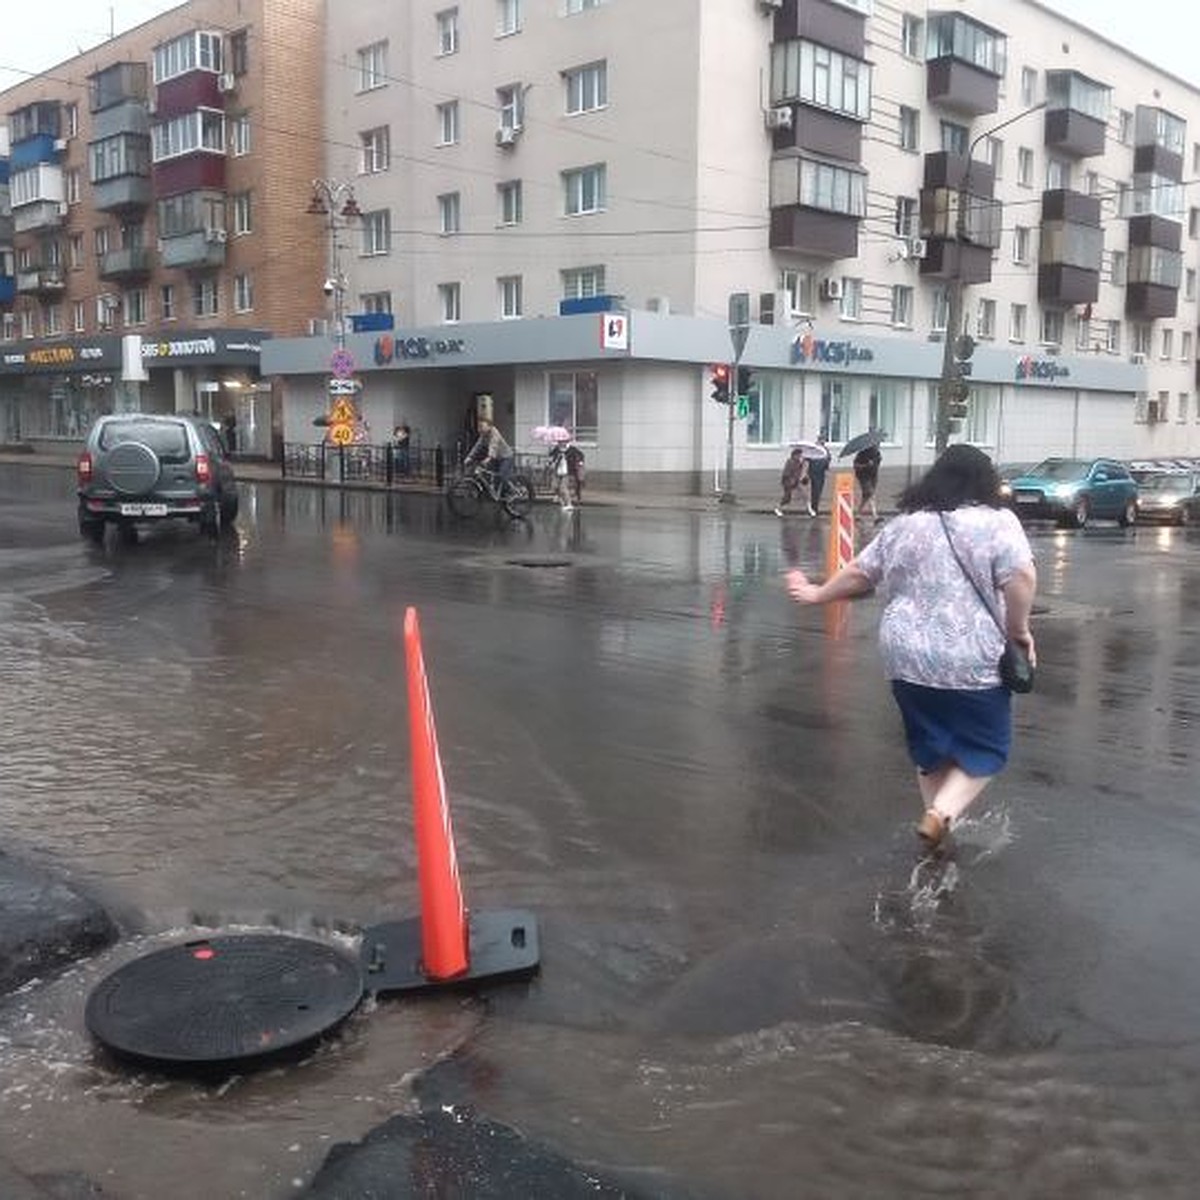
[139,467]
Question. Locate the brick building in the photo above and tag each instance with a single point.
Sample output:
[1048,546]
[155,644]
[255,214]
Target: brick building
[155,230]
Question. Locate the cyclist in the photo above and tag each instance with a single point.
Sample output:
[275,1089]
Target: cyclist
[492,450]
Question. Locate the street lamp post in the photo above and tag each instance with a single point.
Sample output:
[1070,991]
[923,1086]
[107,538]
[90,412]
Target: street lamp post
[952,374]
[334,200]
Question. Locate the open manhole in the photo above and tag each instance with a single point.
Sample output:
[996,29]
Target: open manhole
[224,1001]
[534,562]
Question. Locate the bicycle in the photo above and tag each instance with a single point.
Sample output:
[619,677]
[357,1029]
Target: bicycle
[467,493]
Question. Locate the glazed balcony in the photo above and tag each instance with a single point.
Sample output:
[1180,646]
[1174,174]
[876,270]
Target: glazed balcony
[39,216]
[1159,142]
[964,64]
[1076,114]
[41,281]
[946,258]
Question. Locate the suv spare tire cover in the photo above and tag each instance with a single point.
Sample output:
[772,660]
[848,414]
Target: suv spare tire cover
[132,468]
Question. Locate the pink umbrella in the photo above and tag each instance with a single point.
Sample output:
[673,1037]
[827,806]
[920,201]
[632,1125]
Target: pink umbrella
[551,433]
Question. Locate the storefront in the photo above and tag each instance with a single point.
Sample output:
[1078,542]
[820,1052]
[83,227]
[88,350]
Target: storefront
[51,391]
[636,392]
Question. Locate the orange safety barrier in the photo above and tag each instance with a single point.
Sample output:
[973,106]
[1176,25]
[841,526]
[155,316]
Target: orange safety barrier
[444,938]
[841,548]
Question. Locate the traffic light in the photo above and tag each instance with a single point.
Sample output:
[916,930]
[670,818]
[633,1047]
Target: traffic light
[745,380]
[958,396]
[720,383]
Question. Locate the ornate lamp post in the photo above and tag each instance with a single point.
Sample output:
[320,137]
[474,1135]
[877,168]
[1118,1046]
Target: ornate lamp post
[334,200]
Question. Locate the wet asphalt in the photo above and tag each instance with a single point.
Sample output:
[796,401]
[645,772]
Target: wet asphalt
[748,980]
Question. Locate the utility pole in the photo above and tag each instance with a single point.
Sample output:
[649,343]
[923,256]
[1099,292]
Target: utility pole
[953,389]
[739,331]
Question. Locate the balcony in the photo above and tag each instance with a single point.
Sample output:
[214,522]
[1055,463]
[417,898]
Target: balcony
[1076,114]
[122,194]
[947,259]
[827,24]
[129,262]
[41,281]
[964,64]
[39,215]
[816,233]
[1159,138]
[1155,268]
[821,133]
[8,290]
[1150,301]
[816,206]
[117,85]
[198,250]
[1071,249]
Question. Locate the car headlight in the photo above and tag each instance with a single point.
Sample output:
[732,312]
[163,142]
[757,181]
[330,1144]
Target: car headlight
[1065,491]
[1005,488]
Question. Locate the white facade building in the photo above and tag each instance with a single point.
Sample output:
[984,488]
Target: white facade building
[521,161]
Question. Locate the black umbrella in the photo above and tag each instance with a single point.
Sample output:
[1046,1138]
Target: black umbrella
[871,438]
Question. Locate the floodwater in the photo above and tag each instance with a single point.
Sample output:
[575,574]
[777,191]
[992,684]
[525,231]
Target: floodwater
[750,988]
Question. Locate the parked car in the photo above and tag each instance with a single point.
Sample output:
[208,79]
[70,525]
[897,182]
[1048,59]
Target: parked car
[1074,490]
[138,467]
[1170,496]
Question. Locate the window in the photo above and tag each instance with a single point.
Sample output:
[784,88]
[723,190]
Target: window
[910,128]
[884,404]
[508,17]
[906,216]
[192,132]
[835,409]
[940,316]
[1185,346]
[71,119]
[243,293]
[577,6]
[447,115]
[71,186]
[1124,127]
[1021,245]
[133,306]
[447,31]
[1091,183]
[509,289]
[1167,345]
[239,52]
[1058,175]
[508,104]
[982,414]
[450,302]
[75,251]
[1189,284]
[166,301]
[573,401]
[912,36]
[764,417]
[190,212]
[985,320]
[1154,264]
[993,153]
[801,288]
[372,66]
[821,185]
[850,305]
[196,51]
[102,241]
[587,88]
[376,150]
[27,323]
[78,316]
[377,232]
[1141,339]
[1083,334]
[902,306]
[1181,411]
[824,78]
[583,190]
[1016,323]
[375,302]
[205,297]
[1117,271]
[52,324]
[579,283]
[242,224]
[1112,337]
[1052,327]
[449,213]
[1028,86]
[239,135]
[1024,166]
[508,197]
[955,137]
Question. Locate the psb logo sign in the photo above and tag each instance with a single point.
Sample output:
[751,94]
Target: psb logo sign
[808,349]
[389,349]
[1044,370]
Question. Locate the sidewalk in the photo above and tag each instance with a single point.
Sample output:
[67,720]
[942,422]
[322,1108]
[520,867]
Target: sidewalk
[755,498]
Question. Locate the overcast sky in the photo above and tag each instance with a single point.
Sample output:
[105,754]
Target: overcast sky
[39,33]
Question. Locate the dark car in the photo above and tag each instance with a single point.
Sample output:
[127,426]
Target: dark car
[1169,496]
[140,467]
[1072,491]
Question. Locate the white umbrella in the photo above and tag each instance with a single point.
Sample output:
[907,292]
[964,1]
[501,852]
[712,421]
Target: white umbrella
[551,433]
[811,450]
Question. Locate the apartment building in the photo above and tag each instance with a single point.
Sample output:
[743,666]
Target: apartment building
[153,229]
[531,169]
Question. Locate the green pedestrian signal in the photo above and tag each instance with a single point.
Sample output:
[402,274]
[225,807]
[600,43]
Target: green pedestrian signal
[743,407]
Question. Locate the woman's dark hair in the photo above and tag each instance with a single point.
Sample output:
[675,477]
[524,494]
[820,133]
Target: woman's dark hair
[963,475]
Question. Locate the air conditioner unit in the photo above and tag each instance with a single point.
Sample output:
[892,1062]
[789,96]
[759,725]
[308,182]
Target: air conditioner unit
[831,289]
[318,327]
[1137,358]
[226,82]
[63,208]
[658,304]
[778,118]
[507,135]
[60,145]
[918,248]
[216,236]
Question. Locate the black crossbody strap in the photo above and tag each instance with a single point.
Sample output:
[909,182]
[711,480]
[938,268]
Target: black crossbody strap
[971,578]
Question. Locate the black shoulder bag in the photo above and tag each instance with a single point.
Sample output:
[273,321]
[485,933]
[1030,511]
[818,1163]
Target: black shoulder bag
[1016,671]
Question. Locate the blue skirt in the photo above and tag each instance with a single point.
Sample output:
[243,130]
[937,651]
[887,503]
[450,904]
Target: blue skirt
[970,728]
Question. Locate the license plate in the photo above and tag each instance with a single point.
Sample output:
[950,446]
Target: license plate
[1026,499]
[143,510]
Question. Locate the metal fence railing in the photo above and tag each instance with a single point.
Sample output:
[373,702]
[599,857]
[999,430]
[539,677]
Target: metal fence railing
[392,466]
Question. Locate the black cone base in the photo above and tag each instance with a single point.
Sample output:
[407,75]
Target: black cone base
[225,1001]
[503,945]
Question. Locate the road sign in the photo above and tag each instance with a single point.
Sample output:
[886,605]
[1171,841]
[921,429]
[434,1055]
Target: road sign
[738,335]
[341,364]
[341,435]
[342,413]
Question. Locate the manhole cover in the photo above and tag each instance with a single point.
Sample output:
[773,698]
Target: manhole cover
[534,563]
[224,1000]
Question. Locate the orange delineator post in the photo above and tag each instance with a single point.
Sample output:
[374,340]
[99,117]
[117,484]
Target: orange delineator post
[444,940]
[841,548]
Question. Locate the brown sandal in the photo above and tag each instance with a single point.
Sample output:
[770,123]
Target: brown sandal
[932,828]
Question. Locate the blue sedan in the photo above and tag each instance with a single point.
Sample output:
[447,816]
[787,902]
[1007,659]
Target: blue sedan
[1074,490]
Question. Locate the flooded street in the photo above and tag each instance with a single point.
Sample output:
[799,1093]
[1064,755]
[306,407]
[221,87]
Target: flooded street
[747,989]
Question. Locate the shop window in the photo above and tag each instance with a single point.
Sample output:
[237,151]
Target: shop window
[573,400]
[764,421]
[835,409]
[884,405]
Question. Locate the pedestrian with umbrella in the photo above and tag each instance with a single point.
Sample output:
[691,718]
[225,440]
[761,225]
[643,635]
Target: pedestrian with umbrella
[818,468]
[867,460]
[794,478]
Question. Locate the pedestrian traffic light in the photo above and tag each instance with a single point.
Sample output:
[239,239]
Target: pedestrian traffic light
[720,383]
[745,380]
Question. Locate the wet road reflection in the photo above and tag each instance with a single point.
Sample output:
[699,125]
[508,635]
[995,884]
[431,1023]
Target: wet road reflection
[705,800]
